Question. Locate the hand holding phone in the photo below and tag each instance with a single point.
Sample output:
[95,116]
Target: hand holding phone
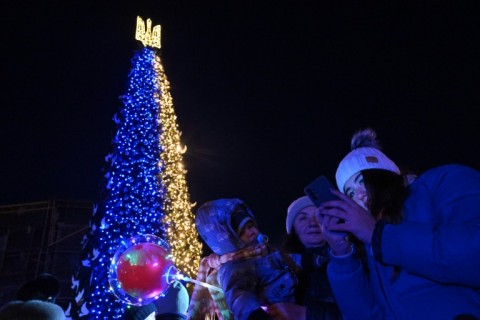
[319,190]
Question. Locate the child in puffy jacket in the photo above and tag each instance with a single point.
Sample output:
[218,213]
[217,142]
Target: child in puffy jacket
[251,274]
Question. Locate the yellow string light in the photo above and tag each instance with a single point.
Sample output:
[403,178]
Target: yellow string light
[182,235]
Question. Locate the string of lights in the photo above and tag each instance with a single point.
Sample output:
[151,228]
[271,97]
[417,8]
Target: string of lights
[145,188]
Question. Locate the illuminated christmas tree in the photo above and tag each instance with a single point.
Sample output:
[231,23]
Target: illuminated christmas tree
[145,186]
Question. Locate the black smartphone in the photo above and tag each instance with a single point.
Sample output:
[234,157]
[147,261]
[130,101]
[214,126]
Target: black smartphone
[319,190]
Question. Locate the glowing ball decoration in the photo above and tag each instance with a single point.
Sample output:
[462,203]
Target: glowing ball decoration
[140,270]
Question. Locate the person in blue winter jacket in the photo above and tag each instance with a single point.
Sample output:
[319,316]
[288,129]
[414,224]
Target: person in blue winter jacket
[419,241]
[250,284]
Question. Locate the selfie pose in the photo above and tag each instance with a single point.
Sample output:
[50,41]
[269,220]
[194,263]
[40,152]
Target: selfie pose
[418,240]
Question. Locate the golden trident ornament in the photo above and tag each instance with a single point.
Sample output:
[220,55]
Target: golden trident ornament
[146,35]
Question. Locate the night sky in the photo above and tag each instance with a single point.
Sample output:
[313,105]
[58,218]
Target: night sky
[267,93]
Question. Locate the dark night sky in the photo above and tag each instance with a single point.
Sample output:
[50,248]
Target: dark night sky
[267,93]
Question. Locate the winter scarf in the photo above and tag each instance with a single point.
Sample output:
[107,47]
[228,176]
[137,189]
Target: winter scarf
[207,303]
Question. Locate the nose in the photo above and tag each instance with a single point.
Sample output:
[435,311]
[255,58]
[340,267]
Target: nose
[361,196]
[313,221]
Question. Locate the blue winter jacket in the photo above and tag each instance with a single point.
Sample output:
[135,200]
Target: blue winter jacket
[436,249]
[249,283]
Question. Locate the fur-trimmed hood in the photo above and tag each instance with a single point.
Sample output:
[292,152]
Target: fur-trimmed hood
[213,222]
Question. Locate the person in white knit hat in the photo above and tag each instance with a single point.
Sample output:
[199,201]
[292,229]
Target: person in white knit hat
[305,243]
[416,242]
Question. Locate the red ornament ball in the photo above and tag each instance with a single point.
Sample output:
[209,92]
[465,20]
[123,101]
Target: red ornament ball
[142,271]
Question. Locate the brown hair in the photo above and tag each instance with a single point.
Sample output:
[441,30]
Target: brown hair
[386,193]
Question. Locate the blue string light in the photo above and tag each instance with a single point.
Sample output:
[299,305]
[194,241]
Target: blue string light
[134,195]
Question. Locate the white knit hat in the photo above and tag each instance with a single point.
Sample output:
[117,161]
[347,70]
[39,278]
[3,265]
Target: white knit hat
[362,159]
[295,208]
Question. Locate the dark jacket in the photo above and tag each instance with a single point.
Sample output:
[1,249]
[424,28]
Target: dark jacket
[314,290]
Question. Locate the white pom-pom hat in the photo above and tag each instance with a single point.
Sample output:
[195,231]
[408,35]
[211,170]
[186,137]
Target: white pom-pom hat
[362,159]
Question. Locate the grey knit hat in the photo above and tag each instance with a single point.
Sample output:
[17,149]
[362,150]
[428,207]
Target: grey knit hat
[294,209]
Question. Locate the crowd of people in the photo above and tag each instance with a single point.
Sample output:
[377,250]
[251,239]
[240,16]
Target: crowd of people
[390,245]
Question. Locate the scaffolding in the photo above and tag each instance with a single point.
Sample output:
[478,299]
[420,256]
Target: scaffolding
[41,237]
